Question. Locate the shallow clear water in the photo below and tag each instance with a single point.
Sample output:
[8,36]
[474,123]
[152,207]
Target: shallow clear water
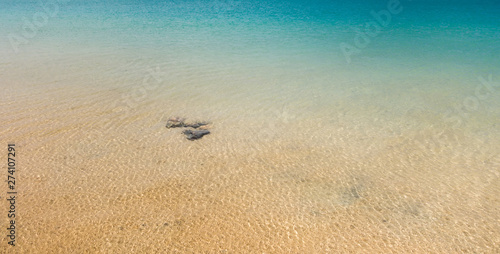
[391,145]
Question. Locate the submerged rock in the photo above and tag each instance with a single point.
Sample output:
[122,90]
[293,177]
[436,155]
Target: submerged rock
[196,125]
[179,122]
[195,134]
[176,122]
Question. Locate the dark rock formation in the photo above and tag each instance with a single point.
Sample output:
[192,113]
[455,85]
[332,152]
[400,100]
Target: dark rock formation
[179,122]
[195,134]
[196,125]
[176,122]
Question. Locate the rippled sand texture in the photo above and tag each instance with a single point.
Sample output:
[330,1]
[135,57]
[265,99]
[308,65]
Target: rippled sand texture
[285,170]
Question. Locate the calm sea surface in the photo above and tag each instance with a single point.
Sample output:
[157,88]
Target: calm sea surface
[336,126]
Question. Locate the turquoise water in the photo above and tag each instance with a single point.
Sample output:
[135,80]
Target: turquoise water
[299,40]
[463,33]
[435,46]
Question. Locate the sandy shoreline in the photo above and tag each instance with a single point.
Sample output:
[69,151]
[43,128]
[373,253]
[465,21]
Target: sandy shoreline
[393,151]
[270,182]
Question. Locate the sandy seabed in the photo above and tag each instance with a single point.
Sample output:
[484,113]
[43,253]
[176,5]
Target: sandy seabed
[98,175]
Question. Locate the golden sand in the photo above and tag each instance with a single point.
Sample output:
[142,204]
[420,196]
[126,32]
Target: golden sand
[95,178]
